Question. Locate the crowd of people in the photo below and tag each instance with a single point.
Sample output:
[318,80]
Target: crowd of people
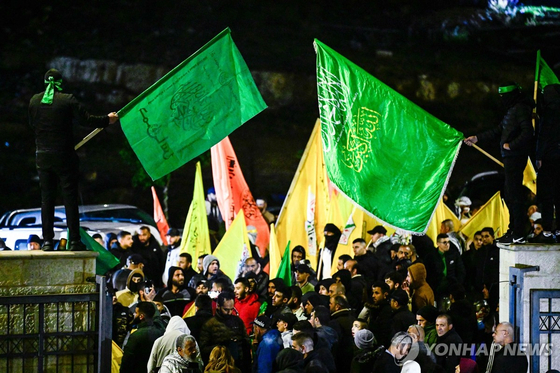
[400,303]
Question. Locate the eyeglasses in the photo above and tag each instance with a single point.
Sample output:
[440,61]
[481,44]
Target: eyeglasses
[444,242]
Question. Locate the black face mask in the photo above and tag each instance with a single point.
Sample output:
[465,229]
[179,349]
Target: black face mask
[508,99]
[135,286]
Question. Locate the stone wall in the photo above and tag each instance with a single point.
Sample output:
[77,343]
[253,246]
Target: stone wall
[48,311]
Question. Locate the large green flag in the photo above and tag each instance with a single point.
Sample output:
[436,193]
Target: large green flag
[386,154]
[544,74]
[196,238]
[192,108]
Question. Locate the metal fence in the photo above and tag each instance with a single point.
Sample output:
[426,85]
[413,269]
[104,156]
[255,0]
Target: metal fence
[56,333]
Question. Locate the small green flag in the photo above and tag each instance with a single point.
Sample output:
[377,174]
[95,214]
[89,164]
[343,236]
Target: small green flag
[284,271]
[544,74]
[386,154]
[105,261]
[192,108]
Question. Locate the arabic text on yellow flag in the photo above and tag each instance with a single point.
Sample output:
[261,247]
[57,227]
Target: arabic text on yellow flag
[196,239]
[274,253]
[310,180]
[530,177]
[233,248]
[493,213]
[442,213]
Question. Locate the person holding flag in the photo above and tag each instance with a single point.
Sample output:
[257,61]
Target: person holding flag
[515,132]
[51,115]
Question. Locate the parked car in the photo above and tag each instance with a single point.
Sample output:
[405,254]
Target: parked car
[17,225]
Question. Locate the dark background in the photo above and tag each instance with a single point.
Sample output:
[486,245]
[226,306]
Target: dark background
[446,56]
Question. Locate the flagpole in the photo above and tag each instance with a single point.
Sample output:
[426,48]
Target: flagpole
[88,137]
[487,154]
[536,87]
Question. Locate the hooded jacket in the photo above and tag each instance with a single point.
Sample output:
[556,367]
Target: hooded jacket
[422,293]
[129,296]
[208,259]
[165,344]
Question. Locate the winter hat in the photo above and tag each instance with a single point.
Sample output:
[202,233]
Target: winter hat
[430,313]
[206,262]
[364,339]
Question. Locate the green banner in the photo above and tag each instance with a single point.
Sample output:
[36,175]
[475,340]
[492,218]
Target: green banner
[544,74]
[105,261]
[192,108]
[386,154]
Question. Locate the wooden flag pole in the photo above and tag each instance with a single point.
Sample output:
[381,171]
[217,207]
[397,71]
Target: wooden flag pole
[87,138]
[487,154]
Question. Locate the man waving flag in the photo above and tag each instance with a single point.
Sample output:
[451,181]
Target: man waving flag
[386,154]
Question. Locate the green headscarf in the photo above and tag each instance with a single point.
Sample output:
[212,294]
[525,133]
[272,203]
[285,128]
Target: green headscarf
[49,90]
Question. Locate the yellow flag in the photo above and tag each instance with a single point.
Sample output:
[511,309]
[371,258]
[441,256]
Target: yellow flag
[274,253]
[196,239]
[493,214]
[233,248]
[117,354]
[530,177]
[442,213]
[307,196]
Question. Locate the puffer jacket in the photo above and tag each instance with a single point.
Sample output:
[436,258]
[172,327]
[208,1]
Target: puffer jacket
[516,128]
[422,293]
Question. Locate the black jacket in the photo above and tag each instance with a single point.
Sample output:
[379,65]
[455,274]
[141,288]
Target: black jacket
[53,123]
[450,360]
[548,136]
[434,268]
[516,129]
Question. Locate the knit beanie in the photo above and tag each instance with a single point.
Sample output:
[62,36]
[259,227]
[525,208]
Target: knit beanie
[364,339]
[206,262]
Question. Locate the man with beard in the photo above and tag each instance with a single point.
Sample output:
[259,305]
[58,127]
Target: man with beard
[327,253]
[185,358]
[139,346]
[380,313]
[247,304]
[261,277]
[368,262]
[185,263]
[298,254]
[172,257]
[276,283]
[175,296]
[228,330]
[146,245]
[212,272]
[515,133]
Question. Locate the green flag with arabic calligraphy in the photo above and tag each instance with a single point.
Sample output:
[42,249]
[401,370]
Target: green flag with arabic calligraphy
[388,155]
[192,108]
